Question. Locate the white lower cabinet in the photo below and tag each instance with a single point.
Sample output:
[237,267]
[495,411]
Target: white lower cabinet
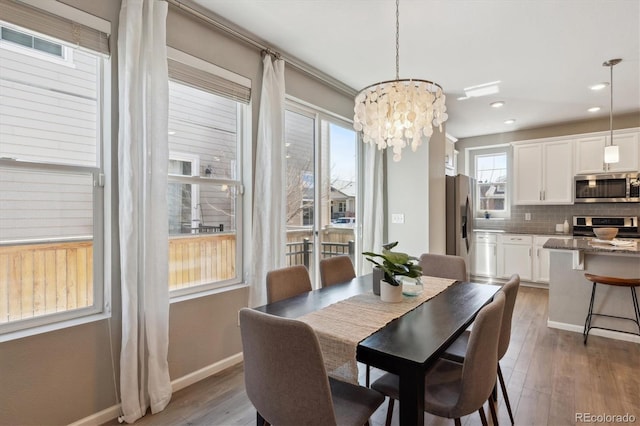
[514,256]
[502,255]
[483,262]
[541,257]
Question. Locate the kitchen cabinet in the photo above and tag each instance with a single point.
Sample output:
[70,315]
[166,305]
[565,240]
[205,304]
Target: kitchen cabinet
[541,257]
[483,261]
[590,153]
[543,172]
[514,256]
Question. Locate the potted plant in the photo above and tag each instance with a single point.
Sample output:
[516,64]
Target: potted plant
[394,265]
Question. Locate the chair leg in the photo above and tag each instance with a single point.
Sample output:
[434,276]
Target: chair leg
[636,307]
[389,412]
[503,386]
[367,375]
[492,409]
[260,421]
[587,321]
[457,422]
[482,416]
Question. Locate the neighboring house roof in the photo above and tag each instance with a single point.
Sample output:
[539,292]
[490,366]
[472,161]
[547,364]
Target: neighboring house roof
[343,189]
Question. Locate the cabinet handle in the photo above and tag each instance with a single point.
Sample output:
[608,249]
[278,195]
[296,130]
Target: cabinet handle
[529,252]
[538,253]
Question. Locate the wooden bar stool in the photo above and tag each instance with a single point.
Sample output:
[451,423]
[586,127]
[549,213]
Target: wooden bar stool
[632,283]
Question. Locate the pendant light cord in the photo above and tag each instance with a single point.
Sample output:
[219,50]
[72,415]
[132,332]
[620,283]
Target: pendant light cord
[611,104]
[397,39]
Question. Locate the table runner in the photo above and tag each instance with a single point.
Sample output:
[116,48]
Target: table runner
[341,326]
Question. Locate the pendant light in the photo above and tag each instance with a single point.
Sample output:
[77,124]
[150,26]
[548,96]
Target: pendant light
[396,113]
[611,152]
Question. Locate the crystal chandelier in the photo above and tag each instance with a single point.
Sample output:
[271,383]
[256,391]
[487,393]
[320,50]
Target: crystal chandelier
[395,113]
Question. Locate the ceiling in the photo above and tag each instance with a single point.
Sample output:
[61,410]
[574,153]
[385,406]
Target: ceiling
[545,53]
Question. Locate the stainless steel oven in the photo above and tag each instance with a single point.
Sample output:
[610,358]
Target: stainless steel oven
[627,226]
[607,188]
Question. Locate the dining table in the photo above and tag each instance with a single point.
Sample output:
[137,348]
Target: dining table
[408,345]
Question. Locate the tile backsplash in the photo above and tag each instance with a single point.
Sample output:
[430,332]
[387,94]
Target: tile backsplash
[545,217]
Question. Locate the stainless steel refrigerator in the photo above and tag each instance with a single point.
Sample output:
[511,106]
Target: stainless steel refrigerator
[459,211]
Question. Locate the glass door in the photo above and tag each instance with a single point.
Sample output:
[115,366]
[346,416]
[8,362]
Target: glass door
[321,190]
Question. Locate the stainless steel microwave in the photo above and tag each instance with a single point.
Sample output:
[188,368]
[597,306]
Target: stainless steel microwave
[607,188]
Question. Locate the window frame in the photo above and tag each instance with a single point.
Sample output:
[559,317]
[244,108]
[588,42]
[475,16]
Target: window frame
[240,170]
[100,177]
[470,170]
[323,119]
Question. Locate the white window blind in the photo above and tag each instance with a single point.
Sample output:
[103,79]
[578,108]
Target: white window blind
[38,20]
[212,83]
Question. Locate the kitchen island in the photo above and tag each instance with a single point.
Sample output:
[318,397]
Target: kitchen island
[570,291]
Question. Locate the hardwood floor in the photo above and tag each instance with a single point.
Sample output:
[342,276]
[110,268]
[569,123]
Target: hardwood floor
[551,376]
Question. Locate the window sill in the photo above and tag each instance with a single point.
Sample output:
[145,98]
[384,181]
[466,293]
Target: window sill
[33,331]
[204,293]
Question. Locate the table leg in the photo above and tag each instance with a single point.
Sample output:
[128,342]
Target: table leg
[412,398]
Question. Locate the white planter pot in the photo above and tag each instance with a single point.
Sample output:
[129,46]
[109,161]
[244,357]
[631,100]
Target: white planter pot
[390,293]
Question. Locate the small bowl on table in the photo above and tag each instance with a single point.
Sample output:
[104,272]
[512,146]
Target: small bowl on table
[606,233]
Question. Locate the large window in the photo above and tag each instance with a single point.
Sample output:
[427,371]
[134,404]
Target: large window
[51,176]
[206,124]
[491,184]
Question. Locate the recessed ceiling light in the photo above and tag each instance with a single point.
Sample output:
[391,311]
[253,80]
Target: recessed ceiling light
[599,86]
[172,132]
[510,121]
[497,104]
[462,98]
[594,109]
[482,89]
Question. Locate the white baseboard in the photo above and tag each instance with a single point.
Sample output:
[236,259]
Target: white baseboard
[100,417]
[112,412]
[205,372]
[594,331]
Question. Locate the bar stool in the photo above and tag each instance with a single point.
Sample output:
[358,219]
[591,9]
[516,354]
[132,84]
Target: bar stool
[632,283]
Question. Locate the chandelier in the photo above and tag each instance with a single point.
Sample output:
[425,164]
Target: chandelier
[395,113]
[611,153]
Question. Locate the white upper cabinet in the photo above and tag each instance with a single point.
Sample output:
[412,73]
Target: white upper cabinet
[590,153]
[543,172]
[629,150]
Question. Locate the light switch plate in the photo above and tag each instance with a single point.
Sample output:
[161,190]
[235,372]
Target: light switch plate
[397,218]
[527,216]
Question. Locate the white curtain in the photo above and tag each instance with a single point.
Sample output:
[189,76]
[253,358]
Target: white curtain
[142,172]
[373,207]
[269,228]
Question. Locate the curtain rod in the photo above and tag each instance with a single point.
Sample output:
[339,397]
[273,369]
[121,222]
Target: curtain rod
[301,66]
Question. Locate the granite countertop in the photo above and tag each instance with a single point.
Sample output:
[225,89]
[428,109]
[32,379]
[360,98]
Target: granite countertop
[588,245]
[502,231]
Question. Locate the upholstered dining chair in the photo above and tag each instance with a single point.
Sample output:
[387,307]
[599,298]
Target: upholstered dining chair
[456,352]
[286,379]
[287,282]
[336,270]
[444,266]
[453,390]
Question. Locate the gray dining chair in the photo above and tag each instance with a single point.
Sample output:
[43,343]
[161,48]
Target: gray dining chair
[453,390]
[286,379]
[287,282]
[458,349]
[444,266]
[336,270]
